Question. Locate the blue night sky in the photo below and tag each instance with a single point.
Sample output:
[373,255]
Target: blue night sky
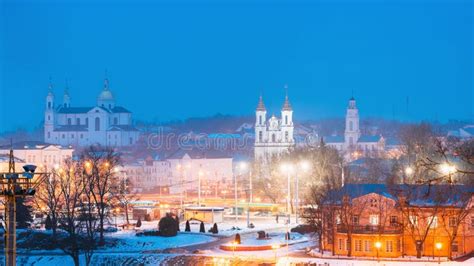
[178,59]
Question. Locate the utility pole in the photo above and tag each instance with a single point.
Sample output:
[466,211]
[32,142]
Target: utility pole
[15,185]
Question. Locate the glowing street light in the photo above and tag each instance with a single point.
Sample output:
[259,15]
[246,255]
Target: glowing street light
[409,170]
[447,169]
[378,245]
[439,246]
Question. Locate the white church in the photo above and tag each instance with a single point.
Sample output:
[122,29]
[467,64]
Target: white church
[275,135]
[353,145]
[105,123]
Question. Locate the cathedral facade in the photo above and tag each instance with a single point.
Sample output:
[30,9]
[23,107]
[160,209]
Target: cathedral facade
[105,123]
[273,136]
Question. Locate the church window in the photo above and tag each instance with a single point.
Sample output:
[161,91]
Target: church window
[97,124]
[49,118]
[286,120]
[64,136]
[72,136]
[350,141]
[130,140]
[69,121]
[351,126]
[78,121]
[260,119]
[49,135]
[115,121]
[49,105]
[273,138]
[286,136]
[82,136]
[87,121]
[260,136]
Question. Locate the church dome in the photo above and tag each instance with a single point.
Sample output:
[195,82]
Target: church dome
[106,95]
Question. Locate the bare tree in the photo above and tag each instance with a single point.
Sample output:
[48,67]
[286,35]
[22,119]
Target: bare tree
[100,166]
[49,195]
[124,195]
[454,216]
[71,186]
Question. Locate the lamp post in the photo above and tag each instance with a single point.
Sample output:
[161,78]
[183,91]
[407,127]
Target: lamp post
[275,247]
[378,245]
[15,185]
[438,247]
[235,196]
[305,166]
[200,174]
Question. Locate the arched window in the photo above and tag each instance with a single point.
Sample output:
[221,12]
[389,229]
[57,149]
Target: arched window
[97,124]
[273,138]
[260,120]
[115,121]
[286,136]
[49,118]
[260,136]
[351,126]
[286,120]
[69,121]
[49,105]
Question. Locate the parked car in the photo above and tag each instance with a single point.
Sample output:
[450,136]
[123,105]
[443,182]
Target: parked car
[110,229]
[303,229]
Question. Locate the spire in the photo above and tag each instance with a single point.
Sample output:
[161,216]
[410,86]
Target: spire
[50,86]
[261,106]
[106,81]
[66,89]
[286,105]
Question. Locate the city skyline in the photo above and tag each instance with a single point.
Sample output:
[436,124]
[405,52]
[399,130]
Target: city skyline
[209,60]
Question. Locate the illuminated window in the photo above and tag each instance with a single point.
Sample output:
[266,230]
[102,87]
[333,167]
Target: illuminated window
[374,219]
[413,220]
[433,221]
[388,246]
[358,245]
[367,245]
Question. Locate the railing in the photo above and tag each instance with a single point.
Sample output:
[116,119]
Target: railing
[370,229]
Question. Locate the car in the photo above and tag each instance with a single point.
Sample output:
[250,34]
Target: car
[302,229]
[110,229]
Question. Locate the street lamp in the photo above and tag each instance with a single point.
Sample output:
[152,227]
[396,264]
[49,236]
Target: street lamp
[378,245]
[233,244]
[200,174]
[409,170]
[275,247]
[447,168]
[438,247]
[305,166]
[287,168]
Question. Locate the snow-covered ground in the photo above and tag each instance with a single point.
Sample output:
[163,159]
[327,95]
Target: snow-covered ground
[127,241]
